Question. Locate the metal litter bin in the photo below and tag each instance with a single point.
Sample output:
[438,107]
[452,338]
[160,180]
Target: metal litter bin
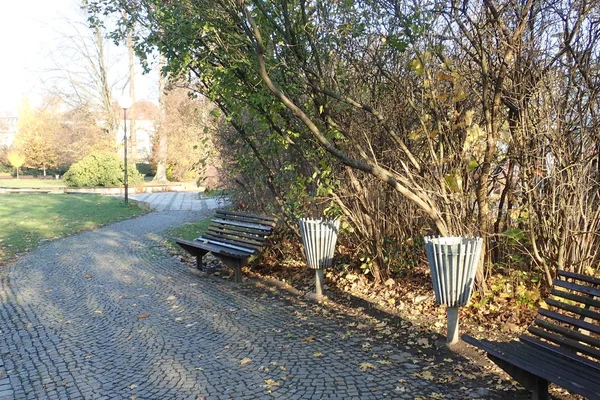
[319,237]
[453,263]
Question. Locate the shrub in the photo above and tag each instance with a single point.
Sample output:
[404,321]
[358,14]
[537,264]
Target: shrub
[101,170]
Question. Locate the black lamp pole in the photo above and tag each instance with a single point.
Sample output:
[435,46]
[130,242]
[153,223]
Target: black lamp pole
[125,153]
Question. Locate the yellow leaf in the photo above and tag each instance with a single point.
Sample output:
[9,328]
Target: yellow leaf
[366,366]
[271,382]
[318,355]
[143,315]
[425,375]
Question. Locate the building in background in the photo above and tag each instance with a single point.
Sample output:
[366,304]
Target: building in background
[145,116]
[9,124]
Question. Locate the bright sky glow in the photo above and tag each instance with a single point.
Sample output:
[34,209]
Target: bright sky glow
[30,31]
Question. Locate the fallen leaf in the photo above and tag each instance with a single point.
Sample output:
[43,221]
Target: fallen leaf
[271,382]
[425,375]
[245,361]
[366,366]
[171,298]
[308,339]
[318,355]
[143,315]
[88,276]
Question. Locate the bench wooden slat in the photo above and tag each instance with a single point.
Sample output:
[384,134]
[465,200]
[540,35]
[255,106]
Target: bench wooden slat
[224,244]
[258,219]
[588,301]
[569,355]
[259,236]
[243,224]
[568,333]
[577,288]
[574,309]
[232,240]
[213,248]
[585,278]
[543,364]
[579,323]
[566,342]
[241,232]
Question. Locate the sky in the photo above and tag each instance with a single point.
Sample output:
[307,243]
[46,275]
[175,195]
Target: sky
[31,32]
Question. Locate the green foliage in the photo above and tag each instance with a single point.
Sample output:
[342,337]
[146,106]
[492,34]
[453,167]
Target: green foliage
[395,93]
[144,168]
[101,170]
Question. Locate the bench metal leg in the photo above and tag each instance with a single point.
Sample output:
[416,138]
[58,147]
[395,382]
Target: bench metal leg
[236,264]
[238,273]
[537,385]
[199,256]
[540,390]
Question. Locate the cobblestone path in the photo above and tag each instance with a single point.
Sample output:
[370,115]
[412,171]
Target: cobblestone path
[110,314]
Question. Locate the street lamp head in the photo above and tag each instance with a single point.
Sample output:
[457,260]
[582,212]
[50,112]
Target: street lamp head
[125,102]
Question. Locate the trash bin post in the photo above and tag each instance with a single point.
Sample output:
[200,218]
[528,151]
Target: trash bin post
[453,263]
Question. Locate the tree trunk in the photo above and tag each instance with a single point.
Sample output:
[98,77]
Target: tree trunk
[132,131]
[161,165]
[104,88]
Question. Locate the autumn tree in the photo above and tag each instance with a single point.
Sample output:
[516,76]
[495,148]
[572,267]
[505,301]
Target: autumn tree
[36,139]
[189,128]
[81,136]
[16,159]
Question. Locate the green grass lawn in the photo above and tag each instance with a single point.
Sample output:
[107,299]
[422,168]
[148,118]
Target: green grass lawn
[28,220]
[189,231]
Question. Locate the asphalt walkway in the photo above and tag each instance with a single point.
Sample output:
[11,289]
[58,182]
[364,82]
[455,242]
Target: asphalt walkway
[111,314]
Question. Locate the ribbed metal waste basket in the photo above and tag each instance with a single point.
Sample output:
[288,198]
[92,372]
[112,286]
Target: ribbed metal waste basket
[319,237]
[453,263]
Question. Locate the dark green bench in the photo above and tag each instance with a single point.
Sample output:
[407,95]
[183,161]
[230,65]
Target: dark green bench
[562,346]
[232,237]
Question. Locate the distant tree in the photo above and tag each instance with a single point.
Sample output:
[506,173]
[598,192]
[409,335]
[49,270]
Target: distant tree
[83,74]
[15,159]
[188,125]
[81,136]
[37,133]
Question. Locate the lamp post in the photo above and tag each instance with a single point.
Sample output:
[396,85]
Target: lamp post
[125,103]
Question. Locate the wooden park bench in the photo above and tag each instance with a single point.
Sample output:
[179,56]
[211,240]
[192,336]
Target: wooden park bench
[562,345]
[233,238]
